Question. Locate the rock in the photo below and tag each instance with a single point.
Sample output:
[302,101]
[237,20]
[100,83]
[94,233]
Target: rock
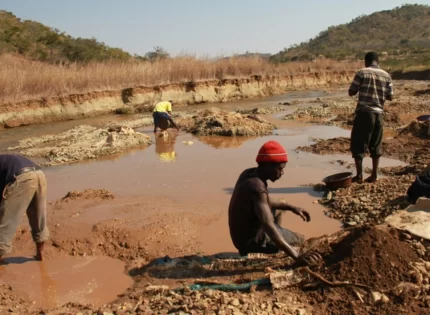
[235,302]
[208,293]
[225,299]
[351,223]
[280,305]
[427,265]
[378,297]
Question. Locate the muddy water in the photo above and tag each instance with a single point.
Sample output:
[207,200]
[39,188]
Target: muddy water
[58,281]
[202,171]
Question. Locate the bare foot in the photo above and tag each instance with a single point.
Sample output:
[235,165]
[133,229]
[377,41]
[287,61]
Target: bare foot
[371,179]
[39,250]
[357,179]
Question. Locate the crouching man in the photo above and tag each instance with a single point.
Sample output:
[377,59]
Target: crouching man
[23,187]
[254,217]
[162,115]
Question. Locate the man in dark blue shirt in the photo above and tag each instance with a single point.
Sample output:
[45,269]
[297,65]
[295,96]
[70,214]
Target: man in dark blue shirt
[23,190]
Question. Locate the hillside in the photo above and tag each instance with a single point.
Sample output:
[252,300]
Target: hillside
[37,41]
[403,30]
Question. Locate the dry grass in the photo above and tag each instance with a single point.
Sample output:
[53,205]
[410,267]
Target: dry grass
[22,79]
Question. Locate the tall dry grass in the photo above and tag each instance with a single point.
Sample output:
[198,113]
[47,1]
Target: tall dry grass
[22,79]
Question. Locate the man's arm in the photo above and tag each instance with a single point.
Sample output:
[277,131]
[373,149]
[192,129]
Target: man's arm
[279,204]
[263,211]
[355,85]
[390,93]
[283,205]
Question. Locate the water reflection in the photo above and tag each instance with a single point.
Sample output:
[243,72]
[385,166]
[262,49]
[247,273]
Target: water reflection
[165,146]
[219,142]
[48,288]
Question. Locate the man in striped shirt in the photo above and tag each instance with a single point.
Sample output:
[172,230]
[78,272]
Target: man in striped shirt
[373,86]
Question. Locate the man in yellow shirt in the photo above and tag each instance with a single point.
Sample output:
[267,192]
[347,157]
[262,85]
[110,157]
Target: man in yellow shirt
[162,114]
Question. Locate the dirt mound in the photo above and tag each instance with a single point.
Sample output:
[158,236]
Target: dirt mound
[82,143]
[366,255]
[361,203]
[88,194]
[133,123]
[328,146]
[410,146]
[417,129]
[391,120]
[370,272]
[217,122]
[262,110]
[331,108]
[402,170]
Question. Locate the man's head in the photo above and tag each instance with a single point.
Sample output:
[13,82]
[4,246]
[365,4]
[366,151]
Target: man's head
[371,58]
[271,160]
[172,102]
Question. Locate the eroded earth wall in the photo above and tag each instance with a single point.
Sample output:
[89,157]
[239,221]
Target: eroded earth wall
[77,106]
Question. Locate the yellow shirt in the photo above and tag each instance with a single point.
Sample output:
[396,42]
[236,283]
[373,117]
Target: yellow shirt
[163,107]
[167,156]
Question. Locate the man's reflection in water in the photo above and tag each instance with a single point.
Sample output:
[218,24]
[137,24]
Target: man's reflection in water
[48,288]
[165,146]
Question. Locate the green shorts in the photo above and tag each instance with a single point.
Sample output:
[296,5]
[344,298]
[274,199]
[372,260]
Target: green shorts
[366,134]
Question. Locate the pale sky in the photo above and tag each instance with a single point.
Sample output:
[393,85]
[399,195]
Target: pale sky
[200,27]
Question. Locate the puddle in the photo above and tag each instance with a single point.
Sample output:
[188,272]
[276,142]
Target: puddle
[58,281]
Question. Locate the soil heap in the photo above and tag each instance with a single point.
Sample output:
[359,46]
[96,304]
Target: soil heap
[83,142]
[263,110]
[222,123]
[389,274]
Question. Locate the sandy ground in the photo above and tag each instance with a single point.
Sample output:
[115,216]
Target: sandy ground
[169,200]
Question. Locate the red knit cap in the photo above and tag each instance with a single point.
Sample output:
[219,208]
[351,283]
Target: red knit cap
[272,152]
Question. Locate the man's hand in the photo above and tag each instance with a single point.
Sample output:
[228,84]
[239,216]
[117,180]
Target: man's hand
[310,258]
[302,213]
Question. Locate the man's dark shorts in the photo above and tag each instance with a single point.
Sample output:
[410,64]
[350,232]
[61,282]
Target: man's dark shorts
[366,135]
[266,246]
[159,116]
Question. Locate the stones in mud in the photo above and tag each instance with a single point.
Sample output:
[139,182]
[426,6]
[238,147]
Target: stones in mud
[82,143]
[368,203]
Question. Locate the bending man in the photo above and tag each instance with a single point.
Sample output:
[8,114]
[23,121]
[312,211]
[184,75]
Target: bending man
[23,187]
[373,86]
[162,115]
[254,218]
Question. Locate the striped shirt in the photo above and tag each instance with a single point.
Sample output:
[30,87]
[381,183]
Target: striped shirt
[373,85]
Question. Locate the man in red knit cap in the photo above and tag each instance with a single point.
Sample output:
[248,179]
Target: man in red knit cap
[254,218]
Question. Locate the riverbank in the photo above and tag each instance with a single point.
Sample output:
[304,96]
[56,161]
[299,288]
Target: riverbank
[142,98]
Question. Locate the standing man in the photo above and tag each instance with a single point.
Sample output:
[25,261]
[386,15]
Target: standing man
[23,187]
[373,86]
[254,218]
[162,114]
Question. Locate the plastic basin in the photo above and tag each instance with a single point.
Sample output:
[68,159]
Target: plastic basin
[339,180]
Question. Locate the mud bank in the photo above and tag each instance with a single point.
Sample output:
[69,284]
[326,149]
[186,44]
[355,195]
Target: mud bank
[142,98]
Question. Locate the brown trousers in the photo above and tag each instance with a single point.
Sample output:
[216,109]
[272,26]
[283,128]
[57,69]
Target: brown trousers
[27,194]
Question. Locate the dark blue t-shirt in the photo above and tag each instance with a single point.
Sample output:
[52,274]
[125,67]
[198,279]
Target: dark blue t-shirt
[10,165]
